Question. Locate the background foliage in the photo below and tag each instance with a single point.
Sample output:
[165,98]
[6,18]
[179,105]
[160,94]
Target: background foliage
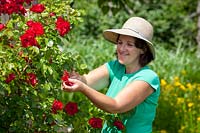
[176,61]
[26,101]
[175,42]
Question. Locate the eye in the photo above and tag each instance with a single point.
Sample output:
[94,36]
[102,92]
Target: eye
[119,42]
[131,44]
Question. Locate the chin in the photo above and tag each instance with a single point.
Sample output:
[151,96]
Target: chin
[121,62]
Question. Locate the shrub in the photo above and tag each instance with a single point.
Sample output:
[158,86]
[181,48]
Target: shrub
[32,63]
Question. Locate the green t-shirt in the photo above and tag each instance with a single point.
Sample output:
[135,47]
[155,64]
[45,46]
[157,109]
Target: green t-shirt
[140,118]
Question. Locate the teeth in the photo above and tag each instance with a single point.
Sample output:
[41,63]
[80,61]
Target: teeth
[123,54]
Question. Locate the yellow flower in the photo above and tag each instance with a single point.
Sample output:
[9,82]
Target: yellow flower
[169,87]
[182,87]
[163,131]
[181,130]
[190,104]
[163,82]
[180,100]
[176,78]
[189,86]
[198,118]
[198,87]
[177,83]
[183,72]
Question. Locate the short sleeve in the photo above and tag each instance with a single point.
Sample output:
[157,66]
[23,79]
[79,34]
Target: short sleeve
[150,77]
[115,69]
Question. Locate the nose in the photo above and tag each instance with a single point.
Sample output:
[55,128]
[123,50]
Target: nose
[122,46]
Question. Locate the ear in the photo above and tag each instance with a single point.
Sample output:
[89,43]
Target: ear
[141,51]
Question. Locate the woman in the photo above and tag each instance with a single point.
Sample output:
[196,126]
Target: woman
[133,86]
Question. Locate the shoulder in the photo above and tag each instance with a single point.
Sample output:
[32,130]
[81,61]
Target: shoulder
[148,75]
[114,68]
[114,65]
[147,72]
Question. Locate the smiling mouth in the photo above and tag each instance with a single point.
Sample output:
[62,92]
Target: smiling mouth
[123,54]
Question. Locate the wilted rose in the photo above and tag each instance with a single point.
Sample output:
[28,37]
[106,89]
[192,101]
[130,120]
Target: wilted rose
[10,78]
[32,79]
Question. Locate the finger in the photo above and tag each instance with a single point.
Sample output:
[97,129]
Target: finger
[68,89]
[73,73]
[74,76]
[72,80]
[68,84]
[61,87]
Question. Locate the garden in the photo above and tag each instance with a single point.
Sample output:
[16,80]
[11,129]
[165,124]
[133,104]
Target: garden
[42,41]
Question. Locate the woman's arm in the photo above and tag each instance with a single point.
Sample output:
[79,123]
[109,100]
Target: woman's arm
[97,78]
[132,95]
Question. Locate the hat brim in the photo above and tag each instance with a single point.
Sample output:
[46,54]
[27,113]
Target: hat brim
[112,35]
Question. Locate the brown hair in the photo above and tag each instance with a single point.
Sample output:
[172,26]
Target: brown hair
[147,56]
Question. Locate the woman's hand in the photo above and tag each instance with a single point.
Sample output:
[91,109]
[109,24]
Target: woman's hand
[75,75]
[76,86]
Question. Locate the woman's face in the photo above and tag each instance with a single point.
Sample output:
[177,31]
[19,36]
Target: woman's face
[127,53]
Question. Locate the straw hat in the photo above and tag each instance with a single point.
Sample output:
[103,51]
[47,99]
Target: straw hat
[135,27]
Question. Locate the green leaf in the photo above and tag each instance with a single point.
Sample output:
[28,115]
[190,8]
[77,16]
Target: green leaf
[35,50]
[50,70]
[35,92]
[83,66]
[63,40]
[11,66]
[105,9]
[9,90]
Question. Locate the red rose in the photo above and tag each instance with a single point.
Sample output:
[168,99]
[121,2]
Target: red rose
[32,79]
[2,26]
[22,10]
[10,78]
[65,78]
[71,108]
[118,124]
[95,122]
[38,8]
[62,26]
[35,27]
[12,6]
[28,39]
[57,105]
[52,14]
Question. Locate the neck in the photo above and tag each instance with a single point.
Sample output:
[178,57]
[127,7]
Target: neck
[132,69]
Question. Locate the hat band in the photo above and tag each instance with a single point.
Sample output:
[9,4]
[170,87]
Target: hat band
[136,32]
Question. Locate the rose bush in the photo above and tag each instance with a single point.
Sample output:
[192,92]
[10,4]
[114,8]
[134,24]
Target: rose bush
[32,67]
[32,63]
